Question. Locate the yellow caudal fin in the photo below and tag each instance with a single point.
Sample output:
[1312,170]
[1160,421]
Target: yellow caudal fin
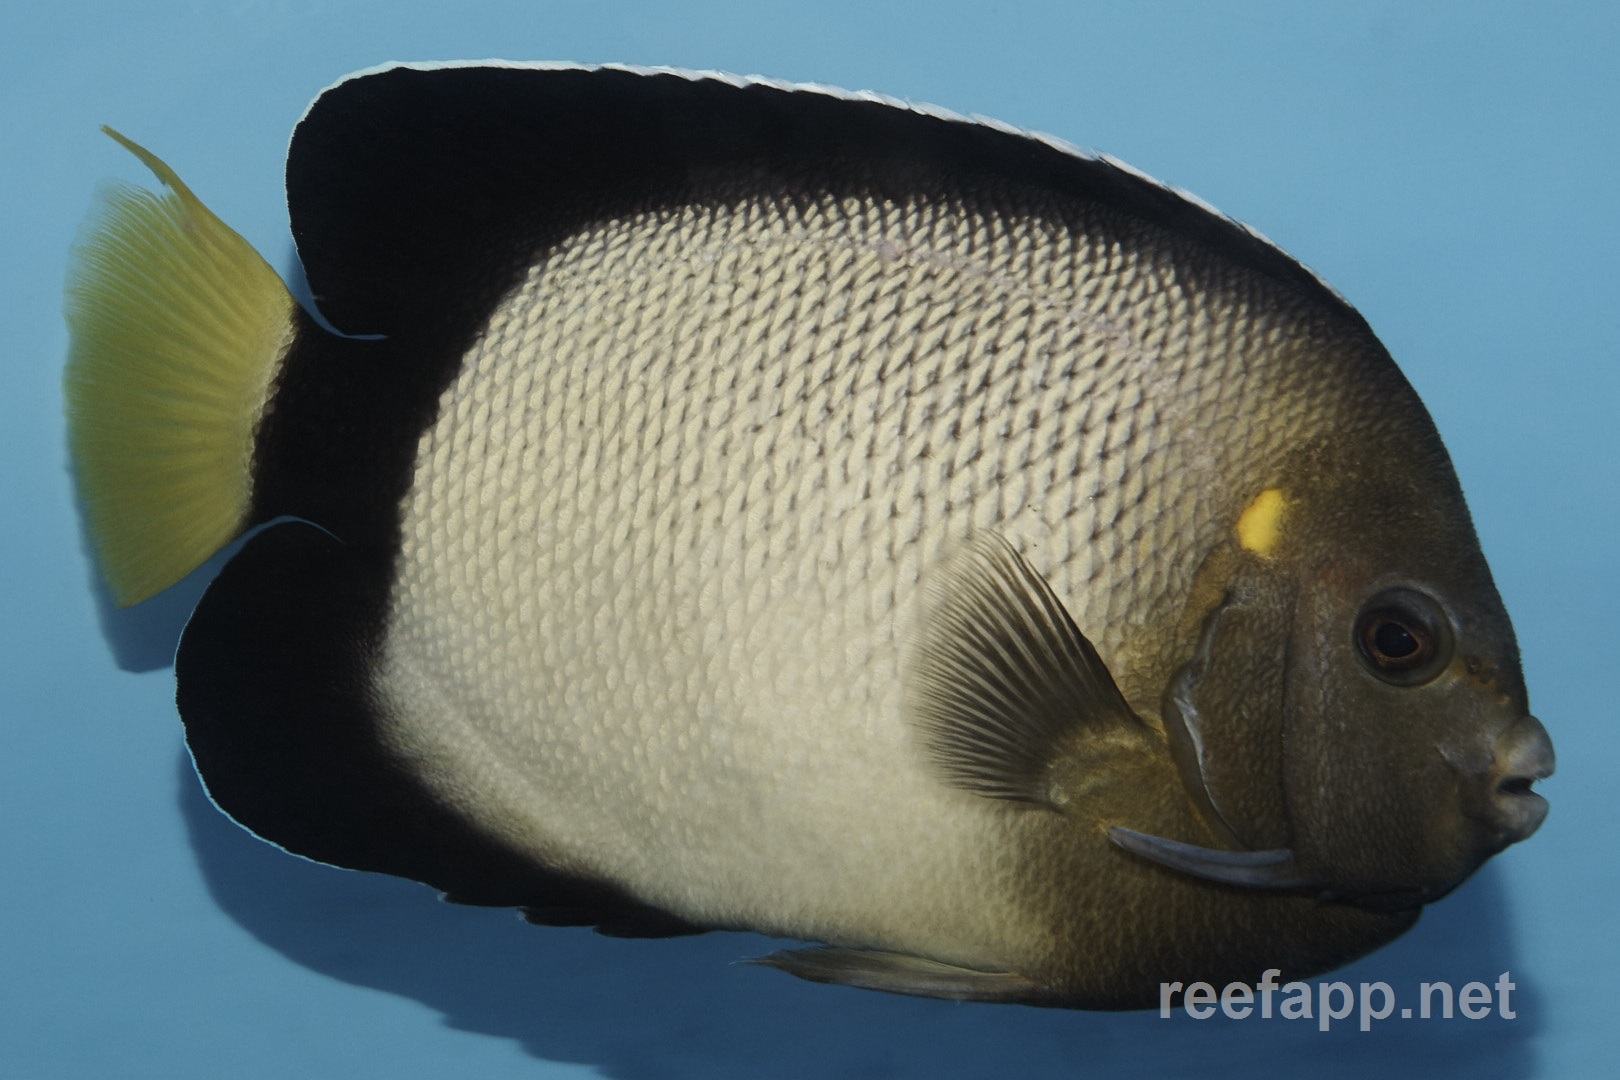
[177,328]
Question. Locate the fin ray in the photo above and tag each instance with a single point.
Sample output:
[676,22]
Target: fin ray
[177,327]
[897,973]
[1002,675]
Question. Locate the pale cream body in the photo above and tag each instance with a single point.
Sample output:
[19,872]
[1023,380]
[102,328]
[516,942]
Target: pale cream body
[662,552]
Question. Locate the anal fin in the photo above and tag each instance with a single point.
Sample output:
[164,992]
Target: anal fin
[276,688]
[899,973]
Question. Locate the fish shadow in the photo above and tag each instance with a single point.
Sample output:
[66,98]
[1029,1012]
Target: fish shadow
[640,1010]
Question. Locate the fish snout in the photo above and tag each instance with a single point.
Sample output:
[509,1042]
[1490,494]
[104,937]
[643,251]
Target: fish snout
[1521,755]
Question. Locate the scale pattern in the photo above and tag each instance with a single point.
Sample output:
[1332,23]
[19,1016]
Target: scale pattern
[663,545]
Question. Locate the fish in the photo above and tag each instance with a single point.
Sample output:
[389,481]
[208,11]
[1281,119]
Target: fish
[688,502]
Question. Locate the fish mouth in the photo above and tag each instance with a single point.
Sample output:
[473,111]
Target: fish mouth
[1522,756]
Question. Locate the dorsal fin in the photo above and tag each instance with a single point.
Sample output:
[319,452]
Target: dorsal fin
[405,178]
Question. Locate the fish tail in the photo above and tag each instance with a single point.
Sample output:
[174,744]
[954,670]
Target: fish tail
[177,328]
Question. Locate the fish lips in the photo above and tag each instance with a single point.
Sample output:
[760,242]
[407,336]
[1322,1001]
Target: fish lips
[1504,805]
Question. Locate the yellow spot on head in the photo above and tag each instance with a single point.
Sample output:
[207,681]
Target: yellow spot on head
[1260,525]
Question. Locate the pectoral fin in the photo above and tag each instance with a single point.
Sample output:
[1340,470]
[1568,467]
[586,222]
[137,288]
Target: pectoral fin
[898,973]
[1003,685]
[1002,678]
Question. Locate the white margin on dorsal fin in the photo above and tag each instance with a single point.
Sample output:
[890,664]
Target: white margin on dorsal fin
[938,112]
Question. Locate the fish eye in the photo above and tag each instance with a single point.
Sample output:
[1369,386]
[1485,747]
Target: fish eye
[1403,637]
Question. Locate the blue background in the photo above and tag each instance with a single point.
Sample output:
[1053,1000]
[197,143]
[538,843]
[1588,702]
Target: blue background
[1450,168]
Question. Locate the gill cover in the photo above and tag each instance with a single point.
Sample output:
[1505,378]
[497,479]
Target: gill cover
[1225,714]
[1013,702]
[1354,725]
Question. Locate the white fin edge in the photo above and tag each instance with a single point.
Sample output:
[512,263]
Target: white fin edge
[938,112]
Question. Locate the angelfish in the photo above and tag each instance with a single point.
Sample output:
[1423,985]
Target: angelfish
[733,504]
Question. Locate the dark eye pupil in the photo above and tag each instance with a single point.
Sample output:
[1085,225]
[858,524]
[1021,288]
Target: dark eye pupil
[1395,641]
[1404,637]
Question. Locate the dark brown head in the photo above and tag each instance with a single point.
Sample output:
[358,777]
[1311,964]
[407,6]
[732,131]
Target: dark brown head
[1353,721]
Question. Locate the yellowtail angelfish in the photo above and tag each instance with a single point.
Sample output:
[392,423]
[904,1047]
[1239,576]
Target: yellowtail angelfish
[733,504]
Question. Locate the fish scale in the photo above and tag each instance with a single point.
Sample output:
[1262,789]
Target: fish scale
[862,508]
